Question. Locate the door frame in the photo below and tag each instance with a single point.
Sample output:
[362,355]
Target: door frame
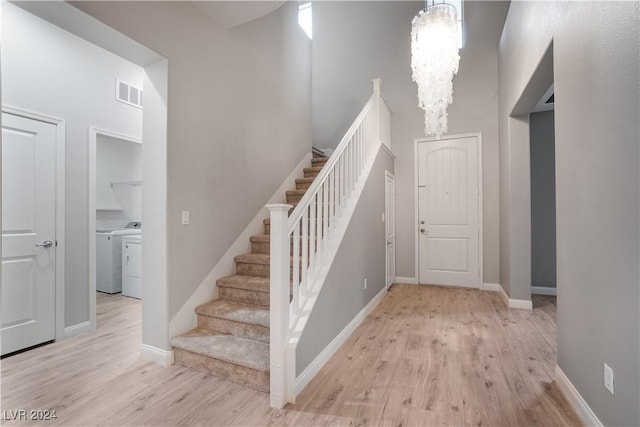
[417,141]
[61,127]
[388,174]
[93,140]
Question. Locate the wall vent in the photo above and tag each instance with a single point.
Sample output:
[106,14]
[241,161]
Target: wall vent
[128,94]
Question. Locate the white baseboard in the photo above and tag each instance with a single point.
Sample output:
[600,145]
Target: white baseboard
[576,401]
[185,319]
[543,290]
[492,287]
[314,367]
[520,304]
[156,355]
[77,329]
[406,280]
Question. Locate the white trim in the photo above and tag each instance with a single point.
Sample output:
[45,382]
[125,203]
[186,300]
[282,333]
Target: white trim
[314,367]
[478,136]
[406,280]
[577,402]
[518,304]
[77,329]
[185,319]
[61,187]
[91,250]
[156,355]
[491,287]
[543,290]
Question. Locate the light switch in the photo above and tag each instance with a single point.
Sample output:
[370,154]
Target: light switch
[185,217]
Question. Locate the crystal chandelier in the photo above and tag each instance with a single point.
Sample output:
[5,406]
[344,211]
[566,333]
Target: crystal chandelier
[434,62]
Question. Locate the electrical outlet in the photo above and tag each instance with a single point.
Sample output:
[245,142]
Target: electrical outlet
[365,283]
[608,378]
[185,217]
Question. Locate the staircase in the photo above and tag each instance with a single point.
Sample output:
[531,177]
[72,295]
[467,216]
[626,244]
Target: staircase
[231,339]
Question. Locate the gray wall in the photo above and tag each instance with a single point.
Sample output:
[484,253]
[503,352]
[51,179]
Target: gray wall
[238,121]
[344,61]
[596,69]
[543,200]
[360,255]
[48,70]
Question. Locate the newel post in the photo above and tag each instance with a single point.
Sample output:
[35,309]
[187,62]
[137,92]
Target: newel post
[279,301]
[376,89]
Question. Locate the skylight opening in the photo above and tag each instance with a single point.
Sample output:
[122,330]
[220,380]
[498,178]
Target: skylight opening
[305,18]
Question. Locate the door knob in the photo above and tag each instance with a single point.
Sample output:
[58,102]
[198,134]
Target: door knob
[389,243]
[422,230]
[45,244]
[422,222]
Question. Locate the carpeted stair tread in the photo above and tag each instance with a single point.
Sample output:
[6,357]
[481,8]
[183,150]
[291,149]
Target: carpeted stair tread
[304,180]
[263,238]
[262,259]
[240,351]
[312,169]
[319,160]
[295,192]
[260,238]
[249,283]
[235,311]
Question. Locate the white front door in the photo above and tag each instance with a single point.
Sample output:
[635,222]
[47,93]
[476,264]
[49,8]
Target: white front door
[448,212]
[390,227]
[27,294]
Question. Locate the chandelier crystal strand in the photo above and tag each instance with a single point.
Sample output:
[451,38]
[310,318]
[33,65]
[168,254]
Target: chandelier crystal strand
[434,62]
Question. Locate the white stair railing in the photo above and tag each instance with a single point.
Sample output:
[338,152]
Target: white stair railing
[300,247]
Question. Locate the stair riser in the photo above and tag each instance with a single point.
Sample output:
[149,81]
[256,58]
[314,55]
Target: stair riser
[311,174]
[303,185]
[260,270]
[239,329]
[244,296]
[318,162]
[265,247]
[293,198]
[257,380]
[260,247]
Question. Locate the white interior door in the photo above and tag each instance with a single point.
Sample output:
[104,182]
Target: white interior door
[390,227]
[448,212]
[27,295]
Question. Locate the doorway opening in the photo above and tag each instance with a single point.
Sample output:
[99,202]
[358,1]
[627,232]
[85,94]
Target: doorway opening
[115,199]
[543,197]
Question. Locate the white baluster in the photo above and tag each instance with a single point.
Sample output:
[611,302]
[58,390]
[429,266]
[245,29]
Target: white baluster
[305,253]
[296,269]
[325,210]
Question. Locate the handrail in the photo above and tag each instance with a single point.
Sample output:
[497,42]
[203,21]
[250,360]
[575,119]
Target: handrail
[302,244]
[317,182]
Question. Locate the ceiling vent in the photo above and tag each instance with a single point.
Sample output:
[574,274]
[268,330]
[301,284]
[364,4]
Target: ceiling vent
[128,94]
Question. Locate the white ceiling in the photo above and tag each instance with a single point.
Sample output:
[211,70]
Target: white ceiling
[229,14]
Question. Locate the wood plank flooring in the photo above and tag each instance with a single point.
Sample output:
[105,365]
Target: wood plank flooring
[426,356]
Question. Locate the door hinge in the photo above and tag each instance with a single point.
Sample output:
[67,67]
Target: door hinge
[56,243]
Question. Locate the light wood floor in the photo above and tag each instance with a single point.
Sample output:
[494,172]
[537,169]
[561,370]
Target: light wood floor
[426,356]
